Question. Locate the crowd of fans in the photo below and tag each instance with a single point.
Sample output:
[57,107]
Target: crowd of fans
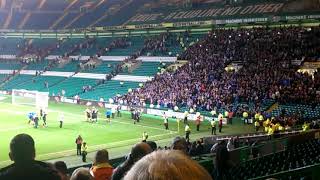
[156,44]
[266,56]
[146,160]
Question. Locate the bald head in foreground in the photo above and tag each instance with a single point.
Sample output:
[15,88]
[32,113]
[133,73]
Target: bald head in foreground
[167,165]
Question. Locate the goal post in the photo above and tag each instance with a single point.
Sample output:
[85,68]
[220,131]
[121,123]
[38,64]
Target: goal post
[32,98]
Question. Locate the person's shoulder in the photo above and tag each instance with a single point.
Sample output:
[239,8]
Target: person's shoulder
[46,171]
[5,171]
[36,170]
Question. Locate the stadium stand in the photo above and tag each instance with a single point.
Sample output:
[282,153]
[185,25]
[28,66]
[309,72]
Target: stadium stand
[73,86]
[40,83]
[71,66]
[93,13]
[219,71]
[56,5]
[104,68]
[66,45]
[17,17]
[75,14]
[10,65]
[41,20]
[68,17]
[10,46]
[297,156]
[107,90]
[39,66]
[199,65]
[307,111]
[144,69]
[3,77]
[17,81]
[134,45]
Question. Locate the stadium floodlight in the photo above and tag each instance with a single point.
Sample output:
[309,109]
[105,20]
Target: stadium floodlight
[32,98]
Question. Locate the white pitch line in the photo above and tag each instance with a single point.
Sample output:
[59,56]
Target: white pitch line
[11,129]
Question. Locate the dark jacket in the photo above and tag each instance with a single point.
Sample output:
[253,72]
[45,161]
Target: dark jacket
[35,170]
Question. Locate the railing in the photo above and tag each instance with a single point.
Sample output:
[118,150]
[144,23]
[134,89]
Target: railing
[307,172]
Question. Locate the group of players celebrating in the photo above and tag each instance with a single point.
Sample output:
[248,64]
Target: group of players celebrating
[34,118]
[135,114]
[91,114]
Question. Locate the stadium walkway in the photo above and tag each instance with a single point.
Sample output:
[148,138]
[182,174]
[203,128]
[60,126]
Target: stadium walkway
[73,161]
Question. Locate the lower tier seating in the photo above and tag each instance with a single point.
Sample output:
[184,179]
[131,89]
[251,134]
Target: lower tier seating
[69,67]
[295,157]
[104,68]
[109,89]
[145,69]
[10,65]
[308,111]
[3,77]
[71,86]
[17,82]
[41,83]
[39,66]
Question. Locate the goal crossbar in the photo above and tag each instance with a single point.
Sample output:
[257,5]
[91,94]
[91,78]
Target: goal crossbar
[33,98]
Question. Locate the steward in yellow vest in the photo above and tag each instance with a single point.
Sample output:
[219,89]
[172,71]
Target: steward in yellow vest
[257,125]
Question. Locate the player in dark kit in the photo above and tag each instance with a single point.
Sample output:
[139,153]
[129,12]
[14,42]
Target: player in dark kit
[41,113]
[165,121]
[94,114]
[118,111]
[88,114]
[44,118]
[61,119]
[108,115]
[36,121]
[31,116]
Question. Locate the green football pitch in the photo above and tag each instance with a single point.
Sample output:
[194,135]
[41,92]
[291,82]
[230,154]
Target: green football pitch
[54,142]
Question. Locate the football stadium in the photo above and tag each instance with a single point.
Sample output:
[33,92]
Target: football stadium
[159,89]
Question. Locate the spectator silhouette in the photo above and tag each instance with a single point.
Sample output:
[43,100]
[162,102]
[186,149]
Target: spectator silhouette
[137,152]
[81,174]
[180,143]
[223,164]
[101,169]
[62,169]
[22,152]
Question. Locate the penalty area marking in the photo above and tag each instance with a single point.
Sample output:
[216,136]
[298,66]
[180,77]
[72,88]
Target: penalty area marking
[95,147]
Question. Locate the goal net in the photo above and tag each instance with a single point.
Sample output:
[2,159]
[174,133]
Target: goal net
[32,98]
